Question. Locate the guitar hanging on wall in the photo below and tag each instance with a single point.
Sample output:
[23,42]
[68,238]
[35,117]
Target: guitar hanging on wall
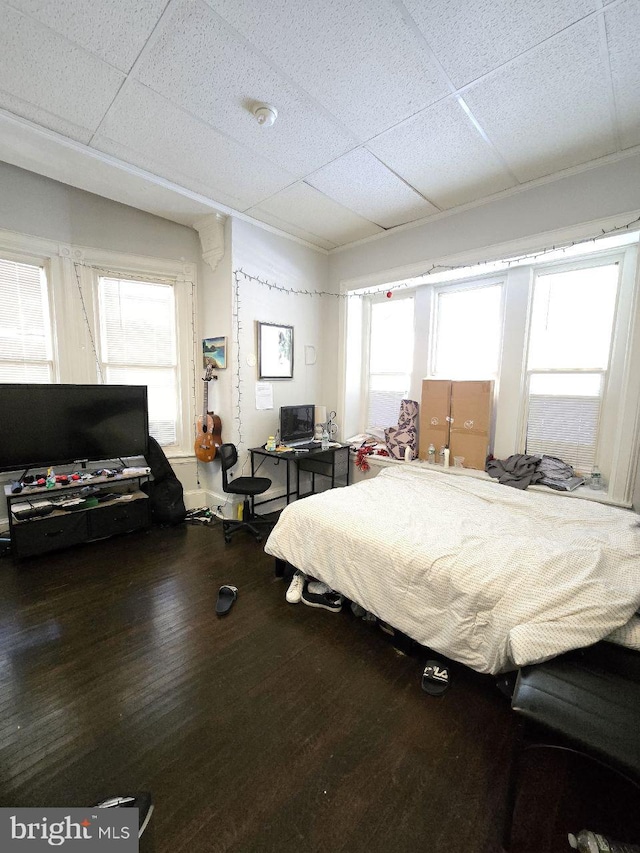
[209,428]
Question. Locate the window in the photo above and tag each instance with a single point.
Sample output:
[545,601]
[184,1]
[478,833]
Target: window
[25,325]
[137,322]
[390,359]
[569,344]
[468,332]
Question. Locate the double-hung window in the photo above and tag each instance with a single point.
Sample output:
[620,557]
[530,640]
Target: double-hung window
[390,359]
[570,333]
[467,332]
[137,321]
[26,348]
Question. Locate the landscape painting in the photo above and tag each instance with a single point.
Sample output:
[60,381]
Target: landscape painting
[214,352]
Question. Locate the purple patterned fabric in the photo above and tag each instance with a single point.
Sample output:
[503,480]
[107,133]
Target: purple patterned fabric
[405,434]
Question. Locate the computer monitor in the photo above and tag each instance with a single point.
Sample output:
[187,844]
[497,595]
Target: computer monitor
[296,424]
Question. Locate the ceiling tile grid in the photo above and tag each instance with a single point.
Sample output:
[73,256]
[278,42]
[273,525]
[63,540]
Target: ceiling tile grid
[549,109]
[276,222]
[362,183]
[200,64]
[623,29]
[443,155]
[359,60]
[186,150]
[47,70]
[306,208]
[476,36]
[115,30]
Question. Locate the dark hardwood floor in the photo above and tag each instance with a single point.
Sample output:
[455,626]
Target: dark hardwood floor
[277,728]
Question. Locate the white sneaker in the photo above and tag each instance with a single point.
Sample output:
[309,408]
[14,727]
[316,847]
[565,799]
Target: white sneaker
[294,593]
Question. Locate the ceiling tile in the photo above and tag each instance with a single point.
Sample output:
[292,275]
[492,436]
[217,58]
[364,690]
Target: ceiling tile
[115,30]
[473,37]
[202,65]
[44,118]
[288,228]
[441,153]
[548,110]
[305,207]
[362,183]
[359,60]
[145,129]
[623,26]
[44,69]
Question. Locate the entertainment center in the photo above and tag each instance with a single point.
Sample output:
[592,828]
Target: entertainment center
[54,519]
[66,426]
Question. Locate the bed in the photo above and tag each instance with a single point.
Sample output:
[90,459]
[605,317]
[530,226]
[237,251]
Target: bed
[490,576]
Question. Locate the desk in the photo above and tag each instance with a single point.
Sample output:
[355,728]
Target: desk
[332,464]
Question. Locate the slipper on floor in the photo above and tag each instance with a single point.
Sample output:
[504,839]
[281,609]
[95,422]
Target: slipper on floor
[435,677]
[226,596]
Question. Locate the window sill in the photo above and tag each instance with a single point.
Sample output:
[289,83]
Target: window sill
[581,493]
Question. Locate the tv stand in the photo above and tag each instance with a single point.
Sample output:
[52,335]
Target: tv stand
[40,523]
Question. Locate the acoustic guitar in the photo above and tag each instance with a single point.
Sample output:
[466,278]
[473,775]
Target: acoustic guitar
[209,428]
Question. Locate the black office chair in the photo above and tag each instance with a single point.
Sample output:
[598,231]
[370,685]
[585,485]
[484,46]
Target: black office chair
[589,699]
[247,486]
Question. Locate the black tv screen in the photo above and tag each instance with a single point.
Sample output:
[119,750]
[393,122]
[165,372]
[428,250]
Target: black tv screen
[46,425]
[296,423]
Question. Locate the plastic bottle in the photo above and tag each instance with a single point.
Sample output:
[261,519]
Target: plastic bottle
[431,454]
[325,439]
[596,478]
[271,443]
[591,842]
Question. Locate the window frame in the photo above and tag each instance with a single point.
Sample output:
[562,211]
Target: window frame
[181,276]
[43,261]
[475,283]
[368,303]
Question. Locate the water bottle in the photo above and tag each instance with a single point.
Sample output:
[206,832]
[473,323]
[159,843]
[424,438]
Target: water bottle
[325,439]
[596,478]
[591,842]
[431,454]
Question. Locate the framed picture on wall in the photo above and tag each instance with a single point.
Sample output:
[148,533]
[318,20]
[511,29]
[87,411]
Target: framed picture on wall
[214,353]
[275,351]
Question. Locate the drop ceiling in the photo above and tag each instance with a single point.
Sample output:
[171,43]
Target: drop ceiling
[389,111]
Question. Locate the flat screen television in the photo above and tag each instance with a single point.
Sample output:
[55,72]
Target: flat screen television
[296,424]
[47,425]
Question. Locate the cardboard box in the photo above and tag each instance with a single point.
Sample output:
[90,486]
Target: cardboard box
[434,415]
[458,415]
[471,406]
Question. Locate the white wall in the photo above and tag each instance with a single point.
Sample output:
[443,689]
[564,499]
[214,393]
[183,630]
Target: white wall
[284,262]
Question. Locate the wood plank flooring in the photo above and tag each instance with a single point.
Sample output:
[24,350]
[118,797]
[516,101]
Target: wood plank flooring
[277,728]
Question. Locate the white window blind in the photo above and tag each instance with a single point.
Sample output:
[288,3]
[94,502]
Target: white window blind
[138,346]
[569,343]
[468,332]
[390,360]
[25,325]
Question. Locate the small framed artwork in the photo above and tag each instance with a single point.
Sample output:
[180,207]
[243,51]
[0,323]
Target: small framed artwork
[275,351]
[214,353]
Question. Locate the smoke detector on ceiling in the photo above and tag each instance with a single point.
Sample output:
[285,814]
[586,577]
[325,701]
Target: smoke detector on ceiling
[265,114]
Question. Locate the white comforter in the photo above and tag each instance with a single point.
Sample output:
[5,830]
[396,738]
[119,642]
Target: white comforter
[490,576]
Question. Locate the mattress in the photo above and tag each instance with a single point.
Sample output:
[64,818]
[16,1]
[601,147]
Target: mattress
[490,576]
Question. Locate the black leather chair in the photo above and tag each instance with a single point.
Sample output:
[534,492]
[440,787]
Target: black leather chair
[247,486]
[591,700]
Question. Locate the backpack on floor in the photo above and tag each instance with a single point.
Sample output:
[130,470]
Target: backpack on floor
[165,490]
